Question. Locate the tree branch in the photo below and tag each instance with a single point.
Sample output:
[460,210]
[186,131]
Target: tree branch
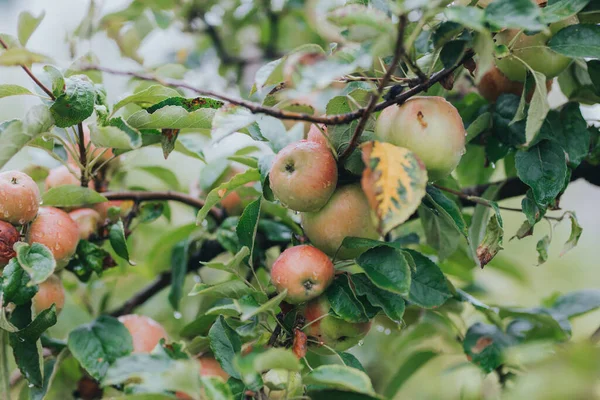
[82,156]
[257,108]
[271,47]
[362,123]
[28,72]
[214,36]
[139,196]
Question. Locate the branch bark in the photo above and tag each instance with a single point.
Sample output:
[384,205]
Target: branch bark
[82,156]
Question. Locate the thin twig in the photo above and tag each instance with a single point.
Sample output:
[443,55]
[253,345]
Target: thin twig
[82,156]
[139,196]
[31,75]
[362,123]
[271,47]
[218,44]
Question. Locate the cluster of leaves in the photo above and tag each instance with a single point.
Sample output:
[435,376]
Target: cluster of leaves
[410,270]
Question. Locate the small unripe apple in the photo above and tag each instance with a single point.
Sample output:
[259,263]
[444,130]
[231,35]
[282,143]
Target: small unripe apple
[211,367]
[51,291]
[282,384]
[332,331]
[346,214]
[62,175]
[534,51]
[87,221]
[145,332]
[430,127]
[315,135]
[102,208]
[8,237]
[56,230]
[304,271]
[91,150]
[303,176]
[494,83]
[19,198]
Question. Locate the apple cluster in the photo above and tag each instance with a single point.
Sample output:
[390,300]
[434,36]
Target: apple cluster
[509,72]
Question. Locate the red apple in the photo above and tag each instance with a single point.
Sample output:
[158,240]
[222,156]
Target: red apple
[56,230]
[87,221]
[19,198]
[8,237]
[51,291]
[145,332]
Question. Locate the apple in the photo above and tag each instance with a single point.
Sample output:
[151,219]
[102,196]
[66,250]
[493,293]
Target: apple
[430,127]
[332,331]
[51,291]
[533,51]
[485,3]
[102,208]
[19,198]
[315,135]
[62,175]
[145,332]
[283,384]
[346,214]
[87,221]
[303,176]
[494,83]
[304,271]
[57,231]
[8,237]
[211,367]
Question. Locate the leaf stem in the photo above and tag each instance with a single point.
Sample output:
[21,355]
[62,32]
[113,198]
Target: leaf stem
[82,156]
[4,366]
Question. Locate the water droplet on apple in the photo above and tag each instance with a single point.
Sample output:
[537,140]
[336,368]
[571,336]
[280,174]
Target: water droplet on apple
[177,315]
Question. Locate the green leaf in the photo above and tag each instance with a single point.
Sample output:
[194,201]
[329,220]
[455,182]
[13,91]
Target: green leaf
[19,56]
[215,388]
[51,367]
[408,368]
[118,134]
[446,208]
[340,377]
[392,304]
[492,241]
[247,226]
[71,196]
[269,306]
[387,268]
[225,343]
[440,232]
[147,97]
[229,119]
[76,103]
[199,326]
[577,303]
[577,41]
[480,125]
[37,260]
[231,265]
[428,288]
[538,108]
[27,25]
[13,90]
[512,134]
[215,195]
[57,79]
[484,345]
[118,241]
[227,289]
[562,9]
[15,288]
[172,117]
[519,14]
[16,134]
[470,17]
[187,104]
[168,177]
[544,169]
[542,249]
[99,344]
[89,258]
[344,302]
[264,166]
[568,128]
[576,231]
[179,265]
[276,358]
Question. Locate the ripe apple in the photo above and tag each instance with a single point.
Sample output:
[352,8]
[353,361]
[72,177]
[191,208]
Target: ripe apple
[102,208]
[534,51]
[485,3]
[334,332]
[61,176]
[19,198]
[315,135]
[87,221]
[57,231]
[8,237]
[303,176]
[211,367]
[51,291]
[430,127]
[494,83]
[145,332]
[304,271]
[346,214]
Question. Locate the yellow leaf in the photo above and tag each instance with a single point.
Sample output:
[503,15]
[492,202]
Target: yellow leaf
[394,181]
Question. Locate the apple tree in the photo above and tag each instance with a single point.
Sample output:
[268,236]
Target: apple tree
[384,136]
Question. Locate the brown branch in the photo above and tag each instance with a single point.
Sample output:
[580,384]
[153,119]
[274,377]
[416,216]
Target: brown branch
[31,75]
[271,47]
[139,196]
[82,156]
[257,108]
[398,52]
[222,52]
